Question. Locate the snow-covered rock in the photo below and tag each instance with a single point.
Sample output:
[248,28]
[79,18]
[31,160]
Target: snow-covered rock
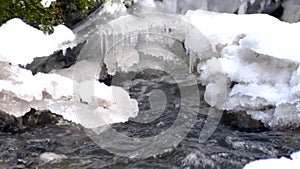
[258,53]
[20,43]
[87,102]
[73,93]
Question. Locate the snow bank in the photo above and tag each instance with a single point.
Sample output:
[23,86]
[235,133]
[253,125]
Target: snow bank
[259,54]
[21,43]
[283,162]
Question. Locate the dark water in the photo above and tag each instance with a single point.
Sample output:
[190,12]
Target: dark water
[227,148]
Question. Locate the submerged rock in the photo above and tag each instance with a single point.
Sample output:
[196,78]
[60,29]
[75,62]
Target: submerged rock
[243,122]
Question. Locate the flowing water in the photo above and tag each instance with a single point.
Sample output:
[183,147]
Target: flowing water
[227,148]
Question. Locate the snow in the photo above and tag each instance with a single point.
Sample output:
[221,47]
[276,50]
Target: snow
[47,3]
[20,43]
[114,6]
[258,53]
[267,38]
[64,96]
[71,92]
[255,52]
[276,163]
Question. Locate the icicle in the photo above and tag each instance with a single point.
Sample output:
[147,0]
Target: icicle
[106,43]
[262,5]
[243,7]
[123,38]
[115,42]
[187,51]
[166,29]
[129,40]
[101,43]
[191,64]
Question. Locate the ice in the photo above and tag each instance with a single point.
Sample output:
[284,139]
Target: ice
[30,42]
[261,64]
[260,40]
[122,41]
[112,7]
[247,62]
[274,163]
[86,101]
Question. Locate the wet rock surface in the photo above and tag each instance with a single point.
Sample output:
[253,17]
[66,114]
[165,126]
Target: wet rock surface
[32,119]
[9,123]
[57,60]
[243,122]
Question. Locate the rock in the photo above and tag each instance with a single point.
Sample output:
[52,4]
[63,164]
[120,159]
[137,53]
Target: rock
[242,122]
[57,60]
[9,123]
[40,118]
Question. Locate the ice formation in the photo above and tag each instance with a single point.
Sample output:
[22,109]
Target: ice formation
[283,162]
[261,70]
[258,54]
[131,42]
[72,93]
[21,91]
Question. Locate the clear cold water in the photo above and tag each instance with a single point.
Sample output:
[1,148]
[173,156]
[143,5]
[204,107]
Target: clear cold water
[227,148]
